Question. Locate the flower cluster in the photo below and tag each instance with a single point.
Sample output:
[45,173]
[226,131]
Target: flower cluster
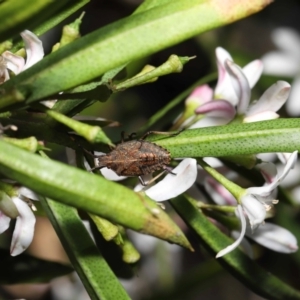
[15,206]
[252,208]
[16,63]
[230,100]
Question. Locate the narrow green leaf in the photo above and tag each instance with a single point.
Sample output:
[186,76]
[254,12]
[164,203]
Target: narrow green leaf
[237,263]
[138,36]
[281,135]
[98,279]
[89,192]
[17,15]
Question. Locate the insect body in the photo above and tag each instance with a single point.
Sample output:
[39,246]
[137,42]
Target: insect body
[136,158]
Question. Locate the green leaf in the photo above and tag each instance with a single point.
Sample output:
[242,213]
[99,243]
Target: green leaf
[138,36]
[17,15]
[281,135]
[237,263]
[89,192]
[97,277]
[28,269]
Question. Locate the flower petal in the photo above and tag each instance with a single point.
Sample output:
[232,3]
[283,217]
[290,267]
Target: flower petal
[289,165]
[111,175]
[240,85]
[242,234]
[174,185]
[209,121]
[280,64]
[24,230]
[224,89]
[275,238]
[25,192]
[4,222]
[14,62]
[253,71]
[288,40]
[284,157]
[293,103]
[217,108]
[200,95]
[254,210]
[4,75]
[34,48]
[263,116]
[266,190]
[272,99]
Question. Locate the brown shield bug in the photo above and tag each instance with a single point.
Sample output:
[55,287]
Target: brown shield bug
[137,158]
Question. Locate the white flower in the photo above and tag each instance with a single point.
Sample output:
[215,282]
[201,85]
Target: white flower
[234,90]
[15,63]
[255,202]
[275,238]
[16,207]
[233,93]
[173,185]
[286,62]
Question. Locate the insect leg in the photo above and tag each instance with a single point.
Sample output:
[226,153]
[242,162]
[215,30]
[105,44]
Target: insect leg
[169,170]
[130,136]
[151,180]
[160,132]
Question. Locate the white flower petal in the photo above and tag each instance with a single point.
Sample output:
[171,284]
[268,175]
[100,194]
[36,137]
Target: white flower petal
[280,64]
[284,157]
[23,191]
[218,109]
[292,178]
[242,234]
[14,62]
[174,185]
[111,175]
[4,222]
[266,115]
[253,71]
[289,165]
[268,189]
[34,48]
[293,103]
[224,89]
[24,230]
[210,121]
[288,40]
[266,156]
[275,238]
[254,210]
[240,85]
[272,99]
